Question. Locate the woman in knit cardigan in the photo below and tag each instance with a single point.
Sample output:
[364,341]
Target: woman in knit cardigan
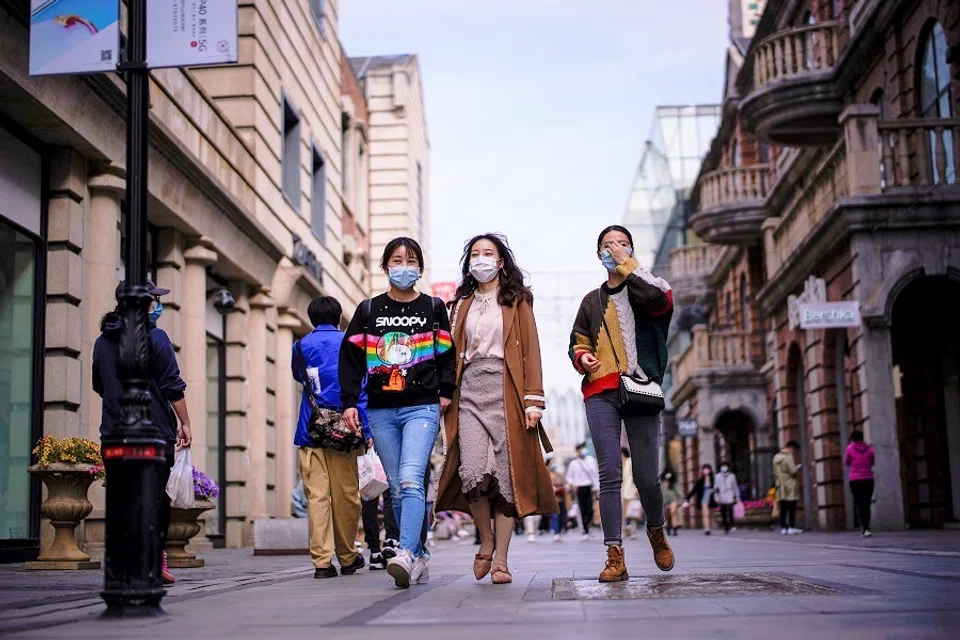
[621,328]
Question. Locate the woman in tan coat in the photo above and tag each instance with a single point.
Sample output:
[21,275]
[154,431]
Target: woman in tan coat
[494,465]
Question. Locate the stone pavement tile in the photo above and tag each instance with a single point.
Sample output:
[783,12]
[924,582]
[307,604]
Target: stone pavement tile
[765,605]
[607,610]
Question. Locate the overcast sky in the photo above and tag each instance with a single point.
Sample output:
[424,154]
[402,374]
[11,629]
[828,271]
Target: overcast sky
[537,112]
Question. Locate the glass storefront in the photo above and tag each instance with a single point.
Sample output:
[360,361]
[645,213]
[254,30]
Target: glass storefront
[215,427]
[18,275]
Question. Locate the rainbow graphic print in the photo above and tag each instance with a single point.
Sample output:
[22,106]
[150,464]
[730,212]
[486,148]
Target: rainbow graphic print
[398,350]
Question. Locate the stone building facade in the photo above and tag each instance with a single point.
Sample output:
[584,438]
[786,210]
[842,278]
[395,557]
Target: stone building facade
[834,178]
[258,182]
[399,152]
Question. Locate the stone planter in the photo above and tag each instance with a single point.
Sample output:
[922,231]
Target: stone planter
[66,505]
[762,517]
[183,527]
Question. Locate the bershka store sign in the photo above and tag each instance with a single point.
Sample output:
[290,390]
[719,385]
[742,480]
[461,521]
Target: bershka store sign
[303,256]
[191,33]
[829,315]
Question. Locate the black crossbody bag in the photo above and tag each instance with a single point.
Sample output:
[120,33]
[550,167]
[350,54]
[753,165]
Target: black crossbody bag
[325,427]
[636,396]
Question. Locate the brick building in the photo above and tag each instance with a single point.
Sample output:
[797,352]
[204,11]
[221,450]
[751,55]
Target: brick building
[833,178]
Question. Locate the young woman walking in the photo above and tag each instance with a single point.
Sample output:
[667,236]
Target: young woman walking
[621,328]
[859,458]
[494,467]
[704,493]
[400,341]
[671,500]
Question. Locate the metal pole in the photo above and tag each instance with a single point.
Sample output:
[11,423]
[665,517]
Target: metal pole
[134,455]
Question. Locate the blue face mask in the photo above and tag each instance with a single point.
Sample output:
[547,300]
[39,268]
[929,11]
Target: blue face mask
[404,278]
[608,262]
[156,313]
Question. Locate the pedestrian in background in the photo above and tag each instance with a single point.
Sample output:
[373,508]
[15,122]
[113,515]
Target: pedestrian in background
[621,329]
[494,465]
[786,474]
[330,478]
[167,394]
[559,483]
[583,474]
[380,552]
[704,495]
[859,457]
[400,343]
[671,500]
[728,494]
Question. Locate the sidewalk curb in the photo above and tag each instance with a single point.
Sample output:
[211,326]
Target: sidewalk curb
[850,547]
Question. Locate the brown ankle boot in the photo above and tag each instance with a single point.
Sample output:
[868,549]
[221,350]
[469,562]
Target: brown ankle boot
[615,569]
[662,553]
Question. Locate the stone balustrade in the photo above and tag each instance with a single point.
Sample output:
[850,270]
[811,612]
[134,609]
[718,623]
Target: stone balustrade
[796,51]
[694,260]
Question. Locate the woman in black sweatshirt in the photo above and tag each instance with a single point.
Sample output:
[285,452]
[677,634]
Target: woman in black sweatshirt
[400,341]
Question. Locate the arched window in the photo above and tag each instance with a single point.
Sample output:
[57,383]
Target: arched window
[735,155]
[764,152]
[935,100]
[744,302]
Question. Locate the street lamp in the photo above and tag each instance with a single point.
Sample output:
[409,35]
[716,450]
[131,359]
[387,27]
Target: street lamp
[135,454]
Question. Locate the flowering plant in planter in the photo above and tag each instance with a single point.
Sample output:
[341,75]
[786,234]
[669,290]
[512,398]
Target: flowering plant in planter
[756,504]
[53,450]
[203,485]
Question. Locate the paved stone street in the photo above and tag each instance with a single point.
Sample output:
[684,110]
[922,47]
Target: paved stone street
[746,585]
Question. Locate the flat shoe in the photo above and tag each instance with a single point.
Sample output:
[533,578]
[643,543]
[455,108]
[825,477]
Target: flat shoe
[501,575]
[481,565]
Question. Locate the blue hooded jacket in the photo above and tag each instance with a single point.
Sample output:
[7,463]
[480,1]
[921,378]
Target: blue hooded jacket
[321,351]
[166,385]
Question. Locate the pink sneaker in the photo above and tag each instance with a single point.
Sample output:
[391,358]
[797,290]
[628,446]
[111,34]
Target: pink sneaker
[167,576]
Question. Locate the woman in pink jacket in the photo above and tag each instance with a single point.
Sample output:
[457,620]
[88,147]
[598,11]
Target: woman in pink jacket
[859,457]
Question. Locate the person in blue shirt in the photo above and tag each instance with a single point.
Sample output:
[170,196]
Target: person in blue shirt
[330,480]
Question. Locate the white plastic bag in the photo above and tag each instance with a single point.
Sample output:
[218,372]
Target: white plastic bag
[373,479]
[180,484]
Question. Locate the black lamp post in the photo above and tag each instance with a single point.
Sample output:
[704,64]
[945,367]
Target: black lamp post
[134,455]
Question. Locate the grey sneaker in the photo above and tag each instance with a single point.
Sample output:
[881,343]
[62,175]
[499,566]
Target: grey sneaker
[400,568]
[421,571]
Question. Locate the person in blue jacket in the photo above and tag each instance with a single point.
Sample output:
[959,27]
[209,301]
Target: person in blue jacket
[330,480]
[167,388]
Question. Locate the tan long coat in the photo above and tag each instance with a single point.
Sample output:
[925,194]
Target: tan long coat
[523,387]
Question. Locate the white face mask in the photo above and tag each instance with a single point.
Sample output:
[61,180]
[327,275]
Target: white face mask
[484,268]
[724,469]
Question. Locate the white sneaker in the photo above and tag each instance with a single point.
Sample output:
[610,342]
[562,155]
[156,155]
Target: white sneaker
[532,537]
[783,532]
[866,533]
[556,537]
[421,571]
[400,568]
[794,531]
[732,529]
[585,536]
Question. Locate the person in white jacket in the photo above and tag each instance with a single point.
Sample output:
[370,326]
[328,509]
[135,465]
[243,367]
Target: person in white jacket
[726,494]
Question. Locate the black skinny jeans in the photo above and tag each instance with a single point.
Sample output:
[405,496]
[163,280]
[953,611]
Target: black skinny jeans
[788,514]
[643,434]
[726,516]
[862,496]
[370,509]
[585,502]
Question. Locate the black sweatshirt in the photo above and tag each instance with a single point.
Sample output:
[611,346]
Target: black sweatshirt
[404,348]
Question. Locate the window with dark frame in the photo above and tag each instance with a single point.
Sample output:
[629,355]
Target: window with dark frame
[317,8]
[935,100]
[318,199]
[744,302]
[291,155]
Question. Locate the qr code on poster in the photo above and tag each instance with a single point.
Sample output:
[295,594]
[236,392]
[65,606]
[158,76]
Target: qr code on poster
[106,55]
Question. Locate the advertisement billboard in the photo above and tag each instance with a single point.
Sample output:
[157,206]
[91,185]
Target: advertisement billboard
[191,33]
[74,36]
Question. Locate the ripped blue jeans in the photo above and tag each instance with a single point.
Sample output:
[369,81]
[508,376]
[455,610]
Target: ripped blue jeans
[404,438]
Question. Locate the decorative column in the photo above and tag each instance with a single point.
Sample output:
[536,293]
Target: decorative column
[237,441]
[63,370]
[288,325]
[170,263]
[859,122]
[257,415]
[101,256]
[193,355]
[878,398]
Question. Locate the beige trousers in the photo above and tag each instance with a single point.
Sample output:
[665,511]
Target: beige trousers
[331,486]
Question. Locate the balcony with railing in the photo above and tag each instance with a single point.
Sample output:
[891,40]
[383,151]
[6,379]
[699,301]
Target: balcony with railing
[732,204]
[793,99]
[690,269]
[721,355]
[889,168]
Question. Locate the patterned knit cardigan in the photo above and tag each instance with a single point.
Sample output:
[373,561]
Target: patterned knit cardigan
[652,302]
